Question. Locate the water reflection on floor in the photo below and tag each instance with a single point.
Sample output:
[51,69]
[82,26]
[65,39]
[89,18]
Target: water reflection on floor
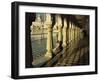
[39,46]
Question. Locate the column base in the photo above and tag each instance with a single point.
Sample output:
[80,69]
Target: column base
[64,45]
[48,55]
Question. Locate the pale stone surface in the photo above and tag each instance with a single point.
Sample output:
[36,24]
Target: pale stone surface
[59,24]
[69,32]
[36,25]
[65,33]
[48,24]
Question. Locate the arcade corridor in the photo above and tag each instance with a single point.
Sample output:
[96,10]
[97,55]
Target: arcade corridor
[57,40]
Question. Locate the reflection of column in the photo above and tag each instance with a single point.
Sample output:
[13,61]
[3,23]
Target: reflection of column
[48,24]
[65,33]
[59,24]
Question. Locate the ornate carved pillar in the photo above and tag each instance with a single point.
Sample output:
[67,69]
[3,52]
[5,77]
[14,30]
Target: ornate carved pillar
[48,24]
[69,32]
[73,31]
[36,23]
[78,33]
[59,24]
[65,33]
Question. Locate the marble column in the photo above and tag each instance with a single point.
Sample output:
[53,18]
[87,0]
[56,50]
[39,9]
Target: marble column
[59,25]
[73,31]
[69,32]
[78,29]
[48,24]
[77,34]
[65,33]
[37,22]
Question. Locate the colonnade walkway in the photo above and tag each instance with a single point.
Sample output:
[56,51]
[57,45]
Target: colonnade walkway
[72,44]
